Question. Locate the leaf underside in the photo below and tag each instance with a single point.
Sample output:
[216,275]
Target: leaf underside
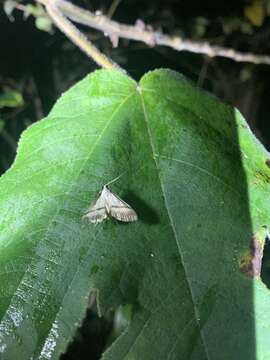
[198,180]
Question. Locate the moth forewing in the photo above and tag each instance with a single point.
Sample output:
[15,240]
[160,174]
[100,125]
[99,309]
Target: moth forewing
[97,211]
[124,214]
[119,209]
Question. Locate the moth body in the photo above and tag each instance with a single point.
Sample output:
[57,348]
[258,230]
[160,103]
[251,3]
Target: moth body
[110,205]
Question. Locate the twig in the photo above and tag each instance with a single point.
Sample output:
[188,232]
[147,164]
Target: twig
[203,72]
[140,32]
[76,36]
[113,7]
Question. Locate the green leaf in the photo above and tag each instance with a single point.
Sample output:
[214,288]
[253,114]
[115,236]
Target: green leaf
[2,124]
[199,182]
[9,6]
[43,23]
[34,10]
[11,98]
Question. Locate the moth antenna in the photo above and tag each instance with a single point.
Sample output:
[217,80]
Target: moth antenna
[115,179]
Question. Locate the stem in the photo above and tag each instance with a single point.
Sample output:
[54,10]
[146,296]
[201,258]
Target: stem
[113,8]
[102,23]
[77,37]
[140,32]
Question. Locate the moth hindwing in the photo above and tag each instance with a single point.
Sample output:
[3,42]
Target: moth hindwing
[109,205]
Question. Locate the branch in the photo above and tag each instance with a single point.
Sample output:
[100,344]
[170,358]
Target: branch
[76,36]
[140,32]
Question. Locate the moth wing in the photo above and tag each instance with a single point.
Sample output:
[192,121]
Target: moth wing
[96,212]
[119,209]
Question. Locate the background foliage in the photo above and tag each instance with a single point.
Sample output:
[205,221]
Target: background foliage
[37,66]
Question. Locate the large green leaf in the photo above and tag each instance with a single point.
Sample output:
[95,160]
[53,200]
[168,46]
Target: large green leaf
[199,182]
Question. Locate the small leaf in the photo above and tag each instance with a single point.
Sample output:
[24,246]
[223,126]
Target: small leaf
[9,6]
[200,26]
[255,12]
[2,124]
[11,98]
[43,23]
[34,10]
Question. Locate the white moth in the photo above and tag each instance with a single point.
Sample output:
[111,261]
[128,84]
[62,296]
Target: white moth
[109,205]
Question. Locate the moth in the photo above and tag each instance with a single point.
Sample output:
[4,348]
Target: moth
[108,205]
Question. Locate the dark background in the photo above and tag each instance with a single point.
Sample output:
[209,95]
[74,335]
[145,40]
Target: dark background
[41,66]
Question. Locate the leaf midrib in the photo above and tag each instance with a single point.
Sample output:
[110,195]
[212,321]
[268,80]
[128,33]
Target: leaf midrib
[196,312]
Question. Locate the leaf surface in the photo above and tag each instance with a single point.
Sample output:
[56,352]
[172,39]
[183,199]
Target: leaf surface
[198,180]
